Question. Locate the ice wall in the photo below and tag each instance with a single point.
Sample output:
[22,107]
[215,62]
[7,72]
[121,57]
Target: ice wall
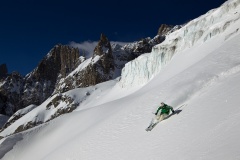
[196,32]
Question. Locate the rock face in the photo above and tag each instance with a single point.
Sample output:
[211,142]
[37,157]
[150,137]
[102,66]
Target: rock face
[99,68]
[145,45]
[139,47]
[17,92]
[164,29]
[10,94]
[3,71]
[121,57]
[104,51]
[40,83]
[60,61]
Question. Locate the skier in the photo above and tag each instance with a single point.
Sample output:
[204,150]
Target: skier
[165,110]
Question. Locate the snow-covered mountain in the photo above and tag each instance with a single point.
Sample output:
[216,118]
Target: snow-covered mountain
[197,65]
[64,68]
[18,92]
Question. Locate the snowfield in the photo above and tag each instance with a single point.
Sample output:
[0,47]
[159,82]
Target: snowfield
[111,118]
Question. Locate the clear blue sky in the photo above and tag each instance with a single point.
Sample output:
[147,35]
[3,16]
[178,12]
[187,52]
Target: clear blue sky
[30,28]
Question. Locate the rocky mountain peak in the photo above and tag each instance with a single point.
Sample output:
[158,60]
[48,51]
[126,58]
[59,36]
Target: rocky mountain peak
[3,71]
[18,92]
[103,38]
[59,62]
[164,29]
[61,59]
[99,68]
[103,47]
[10,93]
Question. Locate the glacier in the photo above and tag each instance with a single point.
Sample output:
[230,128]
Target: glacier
[195,33]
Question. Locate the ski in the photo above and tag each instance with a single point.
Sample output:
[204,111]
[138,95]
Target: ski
[177,111]
[151,126]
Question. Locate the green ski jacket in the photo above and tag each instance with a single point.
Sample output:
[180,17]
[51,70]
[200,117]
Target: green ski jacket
[165,109]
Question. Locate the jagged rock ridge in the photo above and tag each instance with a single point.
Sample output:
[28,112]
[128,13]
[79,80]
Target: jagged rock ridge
[17,92]
[99,68]
[145,45]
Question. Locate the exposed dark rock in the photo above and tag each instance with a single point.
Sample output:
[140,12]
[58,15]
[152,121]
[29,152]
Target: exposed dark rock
[164,29]
[11,122]
[27,126]
[120,56]
[104,50]
[10,93]
[100,68]
[61,60]
[62,111]
[69,106]
[145,45]
[38,85]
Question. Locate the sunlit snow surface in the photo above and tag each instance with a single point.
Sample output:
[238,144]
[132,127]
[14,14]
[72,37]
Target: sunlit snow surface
[110,122]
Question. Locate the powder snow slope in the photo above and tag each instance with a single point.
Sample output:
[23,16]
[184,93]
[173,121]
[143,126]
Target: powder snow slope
[207,128]
[205,77]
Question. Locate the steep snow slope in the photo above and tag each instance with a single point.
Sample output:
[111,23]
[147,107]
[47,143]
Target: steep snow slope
[205,77]
[207,128]
[59,104]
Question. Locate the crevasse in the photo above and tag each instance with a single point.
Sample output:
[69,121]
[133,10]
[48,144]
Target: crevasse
[198,31]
